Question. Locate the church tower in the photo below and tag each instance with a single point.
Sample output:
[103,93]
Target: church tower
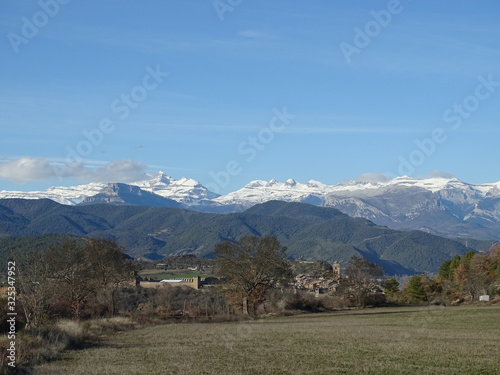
[336,270]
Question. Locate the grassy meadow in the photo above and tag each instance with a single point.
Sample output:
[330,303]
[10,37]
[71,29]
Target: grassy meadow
[412,340]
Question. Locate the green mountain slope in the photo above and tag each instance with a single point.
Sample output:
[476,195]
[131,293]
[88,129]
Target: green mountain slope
[18,245]
[309,232]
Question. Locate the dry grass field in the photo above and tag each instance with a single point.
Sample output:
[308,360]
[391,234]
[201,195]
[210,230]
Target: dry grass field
[451,340]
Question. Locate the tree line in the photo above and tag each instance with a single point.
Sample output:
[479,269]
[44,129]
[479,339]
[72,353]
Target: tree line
[77,279]
[84,278]
[460,279]
[92,278]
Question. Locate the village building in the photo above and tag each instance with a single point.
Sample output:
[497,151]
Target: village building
[319,284]
[193,282]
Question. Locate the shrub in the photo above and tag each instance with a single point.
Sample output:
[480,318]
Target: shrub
[305,302]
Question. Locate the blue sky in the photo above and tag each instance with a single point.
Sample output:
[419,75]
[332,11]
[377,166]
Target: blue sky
[199,90]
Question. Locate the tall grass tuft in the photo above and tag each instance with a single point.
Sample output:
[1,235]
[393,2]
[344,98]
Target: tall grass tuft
[46,344]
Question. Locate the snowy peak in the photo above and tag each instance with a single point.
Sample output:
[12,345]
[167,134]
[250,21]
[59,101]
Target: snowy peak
[260,191]
[159,178]
[69,195]
[192,193]
[184,190]
[447,206]
[432,184]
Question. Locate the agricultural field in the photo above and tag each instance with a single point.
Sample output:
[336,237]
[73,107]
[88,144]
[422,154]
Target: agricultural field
[411,340]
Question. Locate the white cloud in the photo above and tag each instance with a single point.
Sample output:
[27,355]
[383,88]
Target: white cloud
[29,169]
[26,169]
[119,171]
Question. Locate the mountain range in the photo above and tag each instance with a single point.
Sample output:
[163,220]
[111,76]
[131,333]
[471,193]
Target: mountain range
[309,232]
[442,206]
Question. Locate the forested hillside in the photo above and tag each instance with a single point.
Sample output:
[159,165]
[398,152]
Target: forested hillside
[309,232]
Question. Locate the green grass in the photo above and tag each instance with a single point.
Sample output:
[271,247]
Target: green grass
[452,340]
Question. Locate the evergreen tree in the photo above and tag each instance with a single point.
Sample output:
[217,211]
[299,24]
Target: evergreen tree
[416,289]
[391,286]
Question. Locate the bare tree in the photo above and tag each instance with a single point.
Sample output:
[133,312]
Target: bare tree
[109,269]
[250,267]
[35,293]
[359,279]
[76,271]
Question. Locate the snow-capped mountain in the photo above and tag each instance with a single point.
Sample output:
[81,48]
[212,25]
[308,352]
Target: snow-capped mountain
[70,195]
[123,194]
[444,206]
[260,191]
[185,191]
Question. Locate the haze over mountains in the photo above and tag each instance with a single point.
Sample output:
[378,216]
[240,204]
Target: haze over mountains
[443,206]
